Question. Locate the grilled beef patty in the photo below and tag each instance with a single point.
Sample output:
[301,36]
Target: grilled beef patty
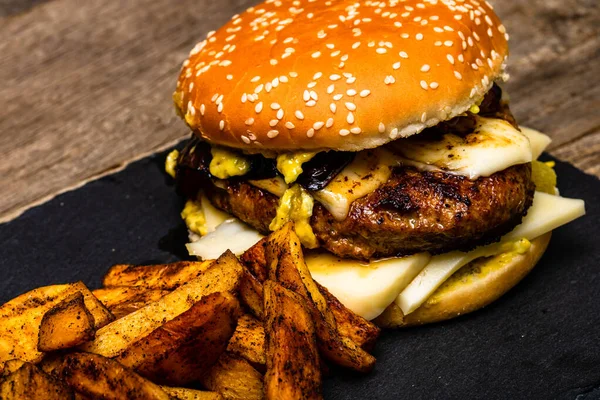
[414,211]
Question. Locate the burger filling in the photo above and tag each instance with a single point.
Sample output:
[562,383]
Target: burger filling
[460,184]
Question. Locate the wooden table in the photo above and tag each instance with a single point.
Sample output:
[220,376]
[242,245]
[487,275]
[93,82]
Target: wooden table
[86,85]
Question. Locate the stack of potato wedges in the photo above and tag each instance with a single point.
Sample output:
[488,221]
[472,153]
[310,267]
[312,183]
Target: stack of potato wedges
[250,328]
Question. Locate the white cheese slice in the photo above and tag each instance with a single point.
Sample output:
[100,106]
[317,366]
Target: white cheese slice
[494,146]
[231,235]
[537,139]
[547,212]
[369,170]
[276,185]
[365,288]
[213,217]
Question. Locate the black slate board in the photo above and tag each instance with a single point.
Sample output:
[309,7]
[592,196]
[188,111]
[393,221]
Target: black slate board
[541,340]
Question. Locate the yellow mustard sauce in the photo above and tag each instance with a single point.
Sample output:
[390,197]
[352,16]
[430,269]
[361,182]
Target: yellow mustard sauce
[226,163]
[171,163]
[296,205]
[290,165]
[194,218]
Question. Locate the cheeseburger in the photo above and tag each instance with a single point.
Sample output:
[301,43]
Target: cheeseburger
[380,129]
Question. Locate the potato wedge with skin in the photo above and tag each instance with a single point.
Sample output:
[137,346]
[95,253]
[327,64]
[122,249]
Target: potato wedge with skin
[361,331]
[234,379]
[20,318]
[286,265]
[161,276]
[67,324]
[223,276]
[248,341]
[293,366]
[102,378]
[123,300]
[177,393]
[10,366]
[31,383]
[182,349]
[115,296]
[251,294]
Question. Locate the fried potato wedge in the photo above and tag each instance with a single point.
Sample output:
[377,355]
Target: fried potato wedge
[20,318]
[67,324]
[251,294]
[121,300]
[248,341]
[234,379]
[286,265]
[182,349]
[177,393]
[102,378]
[31,383]
[362,332]
[161,276]
[10,366]
[223,276]
[293,367]
[391,317]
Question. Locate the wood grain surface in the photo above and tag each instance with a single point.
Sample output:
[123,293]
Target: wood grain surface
[86,86]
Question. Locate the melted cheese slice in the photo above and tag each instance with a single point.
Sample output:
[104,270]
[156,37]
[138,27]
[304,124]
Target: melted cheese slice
[538,141]
[369,170]
[232,235]
[547,212]
[494,146]
[365,288]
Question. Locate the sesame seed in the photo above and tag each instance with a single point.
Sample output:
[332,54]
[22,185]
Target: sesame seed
[394,133]
[258,107]
[259,88]
[458,75]
[351,92]
[438,29]
[249,121]
[437,43]
[450,58]
[299,114]
[396,65]
[245,139]
[330,46]
[311,84]
[474,66]
[306,95]
[316,54]
[202,109]
[356,130]
[424,85]
[229,77]
[350,106]
[311,103]
[279,114]
[424,117]
[275,106]
[273,122]
[333,107]
[221,125]
[433,85]
[289,125]
[330,89]
[419,36]
[215,96]
[335,53]
[329,123]
[268,87]
[318,125]
[381,127]
[273,61]
[448,43]
[425,68]
[344,132]
[355,45]
[338,96]
[334,77]
[272,133]
[317,75]
[350,118]
[220,107]
[403,54]
[313,95]
[381,50]
[365,93]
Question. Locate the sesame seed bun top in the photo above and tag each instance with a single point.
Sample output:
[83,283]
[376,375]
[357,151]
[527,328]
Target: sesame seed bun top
[339,74]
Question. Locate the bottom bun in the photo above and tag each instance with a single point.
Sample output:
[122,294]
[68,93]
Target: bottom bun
[472,287]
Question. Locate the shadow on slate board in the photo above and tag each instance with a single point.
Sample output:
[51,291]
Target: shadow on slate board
[541,340]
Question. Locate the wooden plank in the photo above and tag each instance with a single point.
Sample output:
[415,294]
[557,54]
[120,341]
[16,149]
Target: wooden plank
[86,86]
[9,8]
